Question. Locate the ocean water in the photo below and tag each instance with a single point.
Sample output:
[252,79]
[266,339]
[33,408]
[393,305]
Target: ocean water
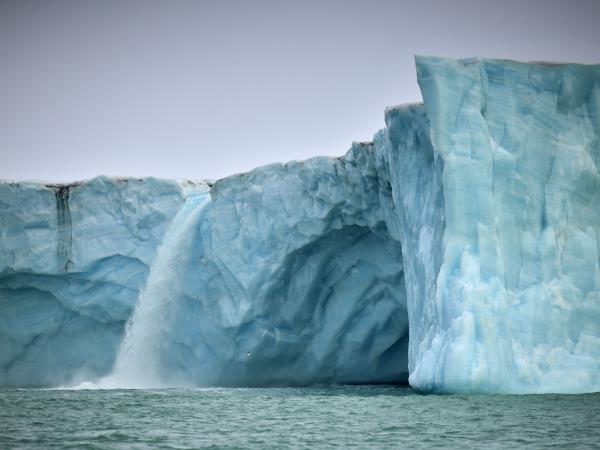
[316,417]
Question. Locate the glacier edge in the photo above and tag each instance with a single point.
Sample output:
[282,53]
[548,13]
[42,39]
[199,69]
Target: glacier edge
[458,251]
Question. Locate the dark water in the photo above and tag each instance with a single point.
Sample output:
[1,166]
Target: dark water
[323,417]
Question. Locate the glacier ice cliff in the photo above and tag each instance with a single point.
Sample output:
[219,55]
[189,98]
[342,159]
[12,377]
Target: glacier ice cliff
[458,251]
[517,303]
[73,259]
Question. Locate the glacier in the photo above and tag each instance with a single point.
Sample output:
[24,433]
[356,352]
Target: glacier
[457,252]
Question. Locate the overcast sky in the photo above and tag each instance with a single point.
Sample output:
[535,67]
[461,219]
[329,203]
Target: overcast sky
[205,89]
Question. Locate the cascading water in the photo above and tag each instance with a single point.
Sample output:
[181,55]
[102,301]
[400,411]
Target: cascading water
[138,360]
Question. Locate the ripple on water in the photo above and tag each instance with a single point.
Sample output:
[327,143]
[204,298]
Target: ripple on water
[318,417]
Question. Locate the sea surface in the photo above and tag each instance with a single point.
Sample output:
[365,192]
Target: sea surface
[317,417]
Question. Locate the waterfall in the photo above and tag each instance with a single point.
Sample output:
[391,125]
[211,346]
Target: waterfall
[138,359]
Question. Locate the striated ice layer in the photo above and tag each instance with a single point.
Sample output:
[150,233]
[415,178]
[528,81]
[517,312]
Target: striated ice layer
[517,305]
[458,251]
[73,259]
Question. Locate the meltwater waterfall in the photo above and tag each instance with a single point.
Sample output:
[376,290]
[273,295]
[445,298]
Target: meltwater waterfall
[138,360]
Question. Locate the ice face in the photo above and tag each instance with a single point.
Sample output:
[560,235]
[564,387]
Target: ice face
[72,262]
[517,303]
[458,251]
[288,275]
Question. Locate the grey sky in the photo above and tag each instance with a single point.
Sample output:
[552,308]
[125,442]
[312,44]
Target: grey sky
[205,89]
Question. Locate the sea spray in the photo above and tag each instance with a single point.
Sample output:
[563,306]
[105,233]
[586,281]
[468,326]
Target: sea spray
[138,360]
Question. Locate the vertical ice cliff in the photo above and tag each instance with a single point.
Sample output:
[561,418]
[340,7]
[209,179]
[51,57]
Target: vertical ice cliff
[458,251]
[415,212]
[517,302]
[289,277]
[72,262]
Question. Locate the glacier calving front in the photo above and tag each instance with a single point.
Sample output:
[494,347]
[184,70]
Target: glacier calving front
[458,251]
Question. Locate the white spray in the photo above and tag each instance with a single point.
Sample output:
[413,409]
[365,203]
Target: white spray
[137,364]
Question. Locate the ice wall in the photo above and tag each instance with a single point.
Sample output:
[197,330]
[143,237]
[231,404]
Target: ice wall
[415,213]
[73,259]
[517,305]
[459,251]
[290,278]
[285,275]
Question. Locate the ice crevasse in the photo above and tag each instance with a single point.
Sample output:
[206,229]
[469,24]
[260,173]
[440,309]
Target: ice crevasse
[458,252]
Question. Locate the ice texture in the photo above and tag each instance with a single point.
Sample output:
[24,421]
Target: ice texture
[517,304]
[287,275]
[73,259]
[458,251]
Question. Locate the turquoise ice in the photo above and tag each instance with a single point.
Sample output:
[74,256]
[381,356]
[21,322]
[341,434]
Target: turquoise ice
[458,251]
[517,304]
